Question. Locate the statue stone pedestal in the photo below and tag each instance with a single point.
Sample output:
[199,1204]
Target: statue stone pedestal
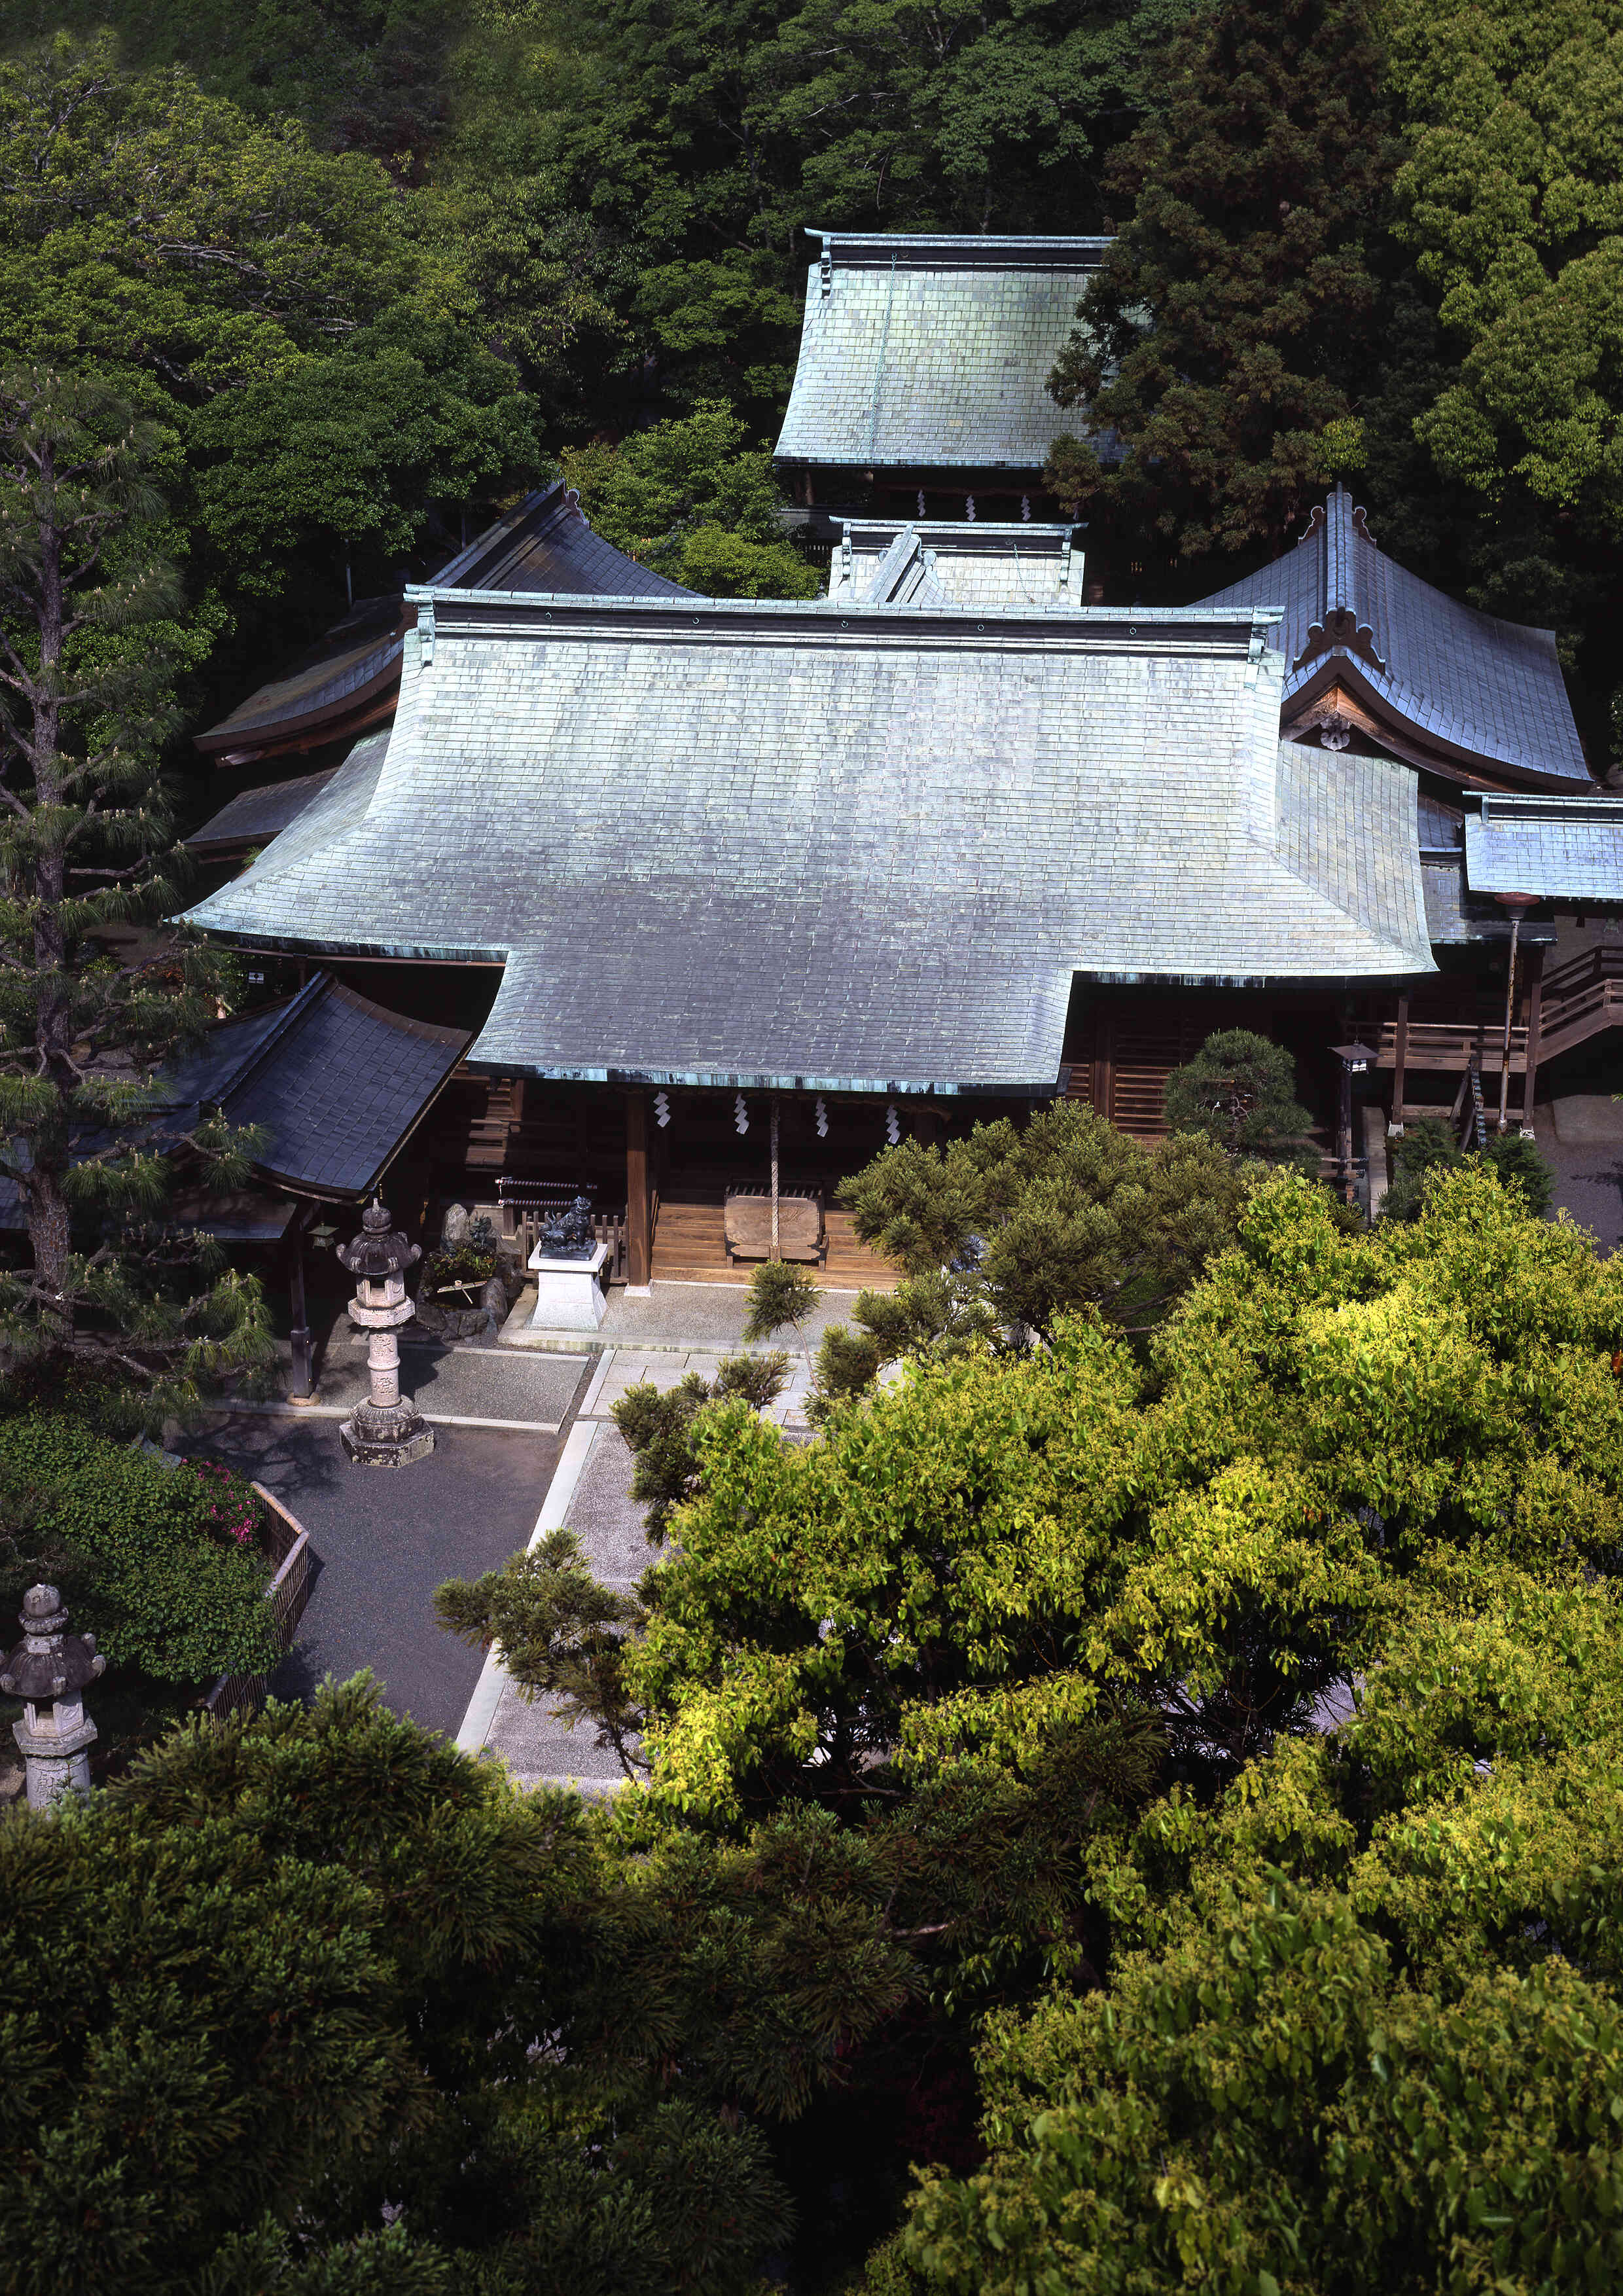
[569,1297]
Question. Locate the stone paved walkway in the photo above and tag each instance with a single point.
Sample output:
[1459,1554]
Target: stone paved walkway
[591,1495]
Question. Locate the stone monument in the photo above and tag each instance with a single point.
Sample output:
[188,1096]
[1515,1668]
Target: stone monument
[566,1262]
[48,1670]
[388,1429]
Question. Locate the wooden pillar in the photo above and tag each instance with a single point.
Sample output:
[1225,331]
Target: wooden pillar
[1535,964]
[1400,1053]
[301,1387]
[639,1240]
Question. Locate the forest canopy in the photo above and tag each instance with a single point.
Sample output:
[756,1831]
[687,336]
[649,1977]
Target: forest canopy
[404,254]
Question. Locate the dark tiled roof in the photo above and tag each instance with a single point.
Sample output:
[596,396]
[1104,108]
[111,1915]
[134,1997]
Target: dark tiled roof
[335,1081]
[1478,686]
[548,544]
[748,842]
[339,1088]
[1567,848]
[257,814]
[358,659]
[923,351]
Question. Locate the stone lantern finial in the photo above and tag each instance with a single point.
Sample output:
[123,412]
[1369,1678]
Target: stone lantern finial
[388,1429]
[48,1670]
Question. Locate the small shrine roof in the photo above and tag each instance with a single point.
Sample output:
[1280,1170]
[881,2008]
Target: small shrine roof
[935,562]
[546,545]
[922,350]
[1567,848]
[754,843]
[1467,683]
[335,1081]
[256,816]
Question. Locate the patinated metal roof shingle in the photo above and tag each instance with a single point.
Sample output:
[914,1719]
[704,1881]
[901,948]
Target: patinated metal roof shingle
[754,842]
[1568,849]
[928,351]
[1488,688]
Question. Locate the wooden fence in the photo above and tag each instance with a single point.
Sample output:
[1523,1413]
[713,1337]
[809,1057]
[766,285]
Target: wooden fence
[289,1545]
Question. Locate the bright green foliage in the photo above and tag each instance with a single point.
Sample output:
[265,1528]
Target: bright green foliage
[1014,1227]
[1510,198]
[1429,1146]
[999,1545]
[689,499]
[145,1562]
[780,1294]
[1239,1090]
[1230,339]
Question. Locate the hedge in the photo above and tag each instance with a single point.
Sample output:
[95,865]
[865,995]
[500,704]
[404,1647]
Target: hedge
[169,1585]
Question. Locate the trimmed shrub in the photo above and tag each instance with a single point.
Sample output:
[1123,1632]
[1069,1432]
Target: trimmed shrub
[166,1570]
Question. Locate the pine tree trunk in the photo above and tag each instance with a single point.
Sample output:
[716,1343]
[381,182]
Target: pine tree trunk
[45,1201]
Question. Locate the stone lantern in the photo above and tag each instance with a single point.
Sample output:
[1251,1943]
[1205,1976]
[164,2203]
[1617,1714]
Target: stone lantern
[48,1670]
[388,1429]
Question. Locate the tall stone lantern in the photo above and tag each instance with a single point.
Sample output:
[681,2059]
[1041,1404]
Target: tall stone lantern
[48,1670]
[388,1429]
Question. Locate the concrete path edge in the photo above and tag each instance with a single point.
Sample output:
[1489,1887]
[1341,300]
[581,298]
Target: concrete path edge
[566,1475]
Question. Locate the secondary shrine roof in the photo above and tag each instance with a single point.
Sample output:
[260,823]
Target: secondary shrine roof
[257,814]
[1567,848]
[350,676]
[935,562]
[1466,684]
[919,351]
[335,1083]
[755,843]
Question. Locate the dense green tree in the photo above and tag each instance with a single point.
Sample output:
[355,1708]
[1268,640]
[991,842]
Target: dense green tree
[701,136]
[1429,1146]
[86,641]
[319,364]
[1007,1230]
[1228,343]
[690,499]
[292,1973]
[1239,1091]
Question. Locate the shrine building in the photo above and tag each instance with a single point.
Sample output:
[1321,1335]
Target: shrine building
[670,877]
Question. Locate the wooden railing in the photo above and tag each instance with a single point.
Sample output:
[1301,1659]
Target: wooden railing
[1581,998]
[288,1543]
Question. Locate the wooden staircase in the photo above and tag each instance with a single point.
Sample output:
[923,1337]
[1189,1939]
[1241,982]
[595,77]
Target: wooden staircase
[690,1247]
[1581,999]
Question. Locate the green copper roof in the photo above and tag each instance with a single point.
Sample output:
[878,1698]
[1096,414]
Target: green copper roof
[758,843]
[929,351]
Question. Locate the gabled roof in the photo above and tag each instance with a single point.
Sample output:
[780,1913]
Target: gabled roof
[760,843]
[256,816]
[335,1081]
[932,562]
[349,678]
[1568,849]
[548,544]
[922,352]
[1447,686]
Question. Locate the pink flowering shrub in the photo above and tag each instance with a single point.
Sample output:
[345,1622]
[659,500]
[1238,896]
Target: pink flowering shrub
[232,1510]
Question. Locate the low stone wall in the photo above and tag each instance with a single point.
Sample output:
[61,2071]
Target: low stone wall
[288,1545]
